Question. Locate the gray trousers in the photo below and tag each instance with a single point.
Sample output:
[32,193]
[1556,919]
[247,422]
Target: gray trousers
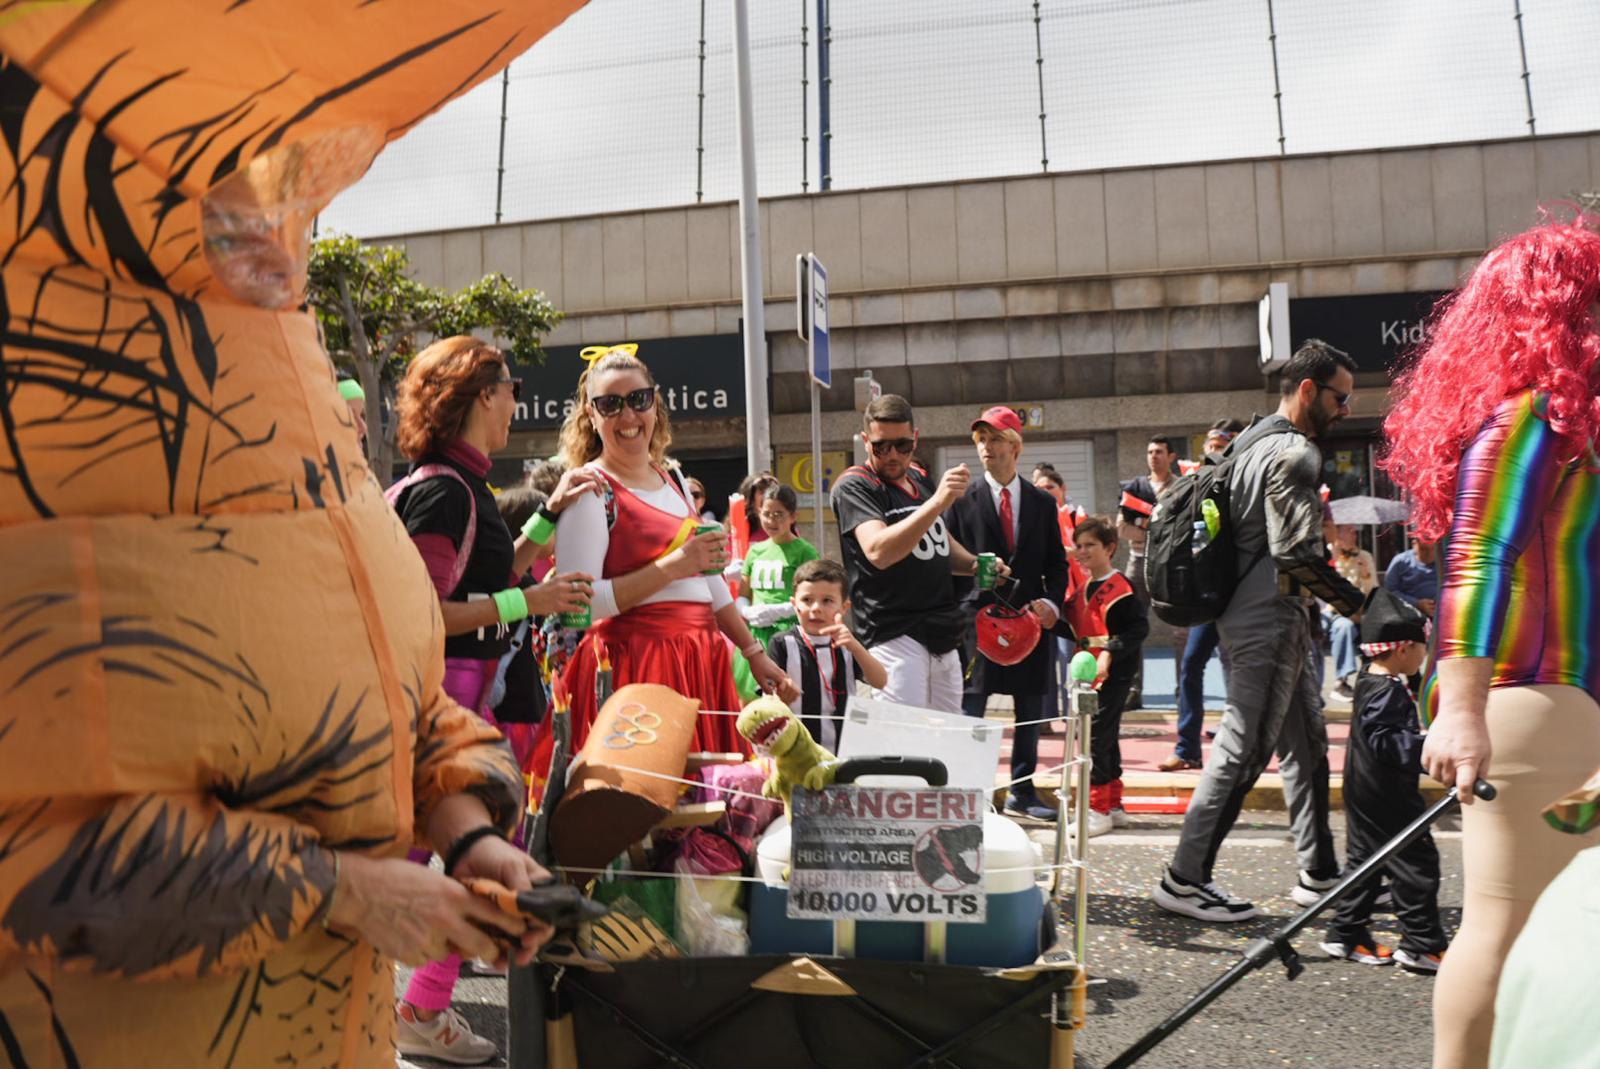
[1274,706]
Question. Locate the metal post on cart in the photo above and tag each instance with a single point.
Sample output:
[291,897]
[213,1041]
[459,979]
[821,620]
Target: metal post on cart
[1068,1007]
[527,1002]
[1080,729]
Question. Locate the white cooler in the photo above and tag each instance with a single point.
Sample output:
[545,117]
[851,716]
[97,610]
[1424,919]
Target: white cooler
[1017,930]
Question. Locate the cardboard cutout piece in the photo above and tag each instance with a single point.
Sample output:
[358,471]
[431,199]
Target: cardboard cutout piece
[612,798]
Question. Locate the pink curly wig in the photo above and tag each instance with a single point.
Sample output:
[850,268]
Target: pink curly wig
[1523,320]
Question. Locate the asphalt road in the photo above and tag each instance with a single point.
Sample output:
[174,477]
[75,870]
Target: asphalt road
[1144,963]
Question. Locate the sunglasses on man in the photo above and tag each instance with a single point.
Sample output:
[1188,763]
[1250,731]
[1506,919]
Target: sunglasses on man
[1340,399]
[884,447]
[610,404]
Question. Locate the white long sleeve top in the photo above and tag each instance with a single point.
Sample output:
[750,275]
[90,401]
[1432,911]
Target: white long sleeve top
[582,539]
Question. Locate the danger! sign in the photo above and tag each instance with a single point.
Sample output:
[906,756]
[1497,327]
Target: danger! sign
[887,854]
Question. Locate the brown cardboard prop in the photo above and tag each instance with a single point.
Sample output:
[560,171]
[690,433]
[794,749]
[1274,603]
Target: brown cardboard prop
[612,798]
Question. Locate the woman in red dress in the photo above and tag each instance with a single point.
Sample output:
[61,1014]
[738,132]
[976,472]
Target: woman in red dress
[661,608]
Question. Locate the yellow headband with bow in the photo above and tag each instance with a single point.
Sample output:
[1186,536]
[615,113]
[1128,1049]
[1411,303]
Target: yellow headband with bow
[592,353]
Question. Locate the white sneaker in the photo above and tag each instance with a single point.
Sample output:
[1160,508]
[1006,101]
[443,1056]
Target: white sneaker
[1377,954]
[1098,824]
[446,1038]
[1203,902]
[1119,817]
[1309,891]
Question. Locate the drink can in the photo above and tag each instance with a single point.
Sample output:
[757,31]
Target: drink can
[707,528]
[577,619]
[988,570]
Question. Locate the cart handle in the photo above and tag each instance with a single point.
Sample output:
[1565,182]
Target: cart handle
[931,769]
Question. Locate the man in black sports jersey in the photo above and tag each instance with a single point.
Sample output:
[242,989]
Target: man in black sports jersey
[900,558]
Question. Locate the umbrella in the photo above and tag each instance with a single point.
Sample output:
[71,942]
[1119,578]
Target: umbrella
[1362,511]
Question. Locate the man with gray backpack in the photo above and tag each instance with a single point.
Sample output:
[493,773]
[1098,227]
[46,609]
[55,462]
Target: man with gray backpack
[1241,543]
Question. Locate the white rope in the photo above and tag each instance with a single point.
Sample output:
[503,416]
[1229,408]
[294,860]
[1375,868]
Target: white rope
[1084,762]
[1076,762]
[691,782]
[1043,867]
[975,722]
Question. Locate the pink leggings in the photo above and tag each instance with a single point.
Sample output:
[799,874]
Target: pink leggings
[433,985]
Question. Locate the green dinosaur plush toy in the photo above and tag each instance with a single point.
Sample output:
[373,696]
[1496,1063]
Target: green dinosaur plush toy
[798,761]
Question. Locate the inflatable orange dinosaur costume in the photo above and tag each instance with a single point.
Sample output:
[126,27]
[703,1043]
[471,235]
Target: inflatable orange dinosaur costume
[219,654]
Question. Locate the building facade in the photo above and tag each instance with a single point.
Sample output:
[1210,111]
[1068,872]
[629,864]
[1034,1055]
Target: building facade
[1107,306]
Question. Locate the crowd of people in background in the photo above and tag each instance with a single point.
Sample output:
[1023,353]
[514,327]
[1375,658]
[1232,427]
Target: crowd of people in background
[624,548]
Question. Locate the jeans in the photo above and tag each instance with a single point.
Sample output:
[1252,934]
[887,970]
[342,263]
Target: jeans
[1203,642]
[1342,643]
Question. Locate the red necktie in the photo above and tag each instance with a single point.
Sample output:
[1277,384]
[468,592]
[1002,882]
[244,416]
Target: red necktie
[1005,520]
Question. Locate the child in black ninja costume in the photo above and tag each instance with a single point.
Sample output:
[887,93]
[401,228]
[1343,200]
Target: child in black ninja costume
[1381,795]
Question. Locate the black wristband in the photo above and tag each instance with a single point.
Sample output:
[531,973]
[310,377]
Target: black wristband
[459,848]
[553,517]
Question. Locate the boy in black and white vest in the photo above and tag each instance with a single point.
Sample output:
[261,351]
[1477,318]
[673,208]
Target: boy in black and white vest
[821,655]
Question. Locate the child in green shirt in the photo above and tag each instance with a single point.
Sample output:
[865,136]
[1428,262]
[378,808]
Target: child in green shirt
[768,583]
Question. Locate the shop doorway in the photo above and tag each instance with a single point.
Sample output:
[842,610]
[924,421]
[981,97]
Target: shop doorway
[719,473]
[1349,469]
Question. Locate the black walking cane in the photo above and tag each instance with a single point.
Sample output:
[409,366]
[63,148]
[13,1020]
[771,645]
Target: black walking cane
[1277,944]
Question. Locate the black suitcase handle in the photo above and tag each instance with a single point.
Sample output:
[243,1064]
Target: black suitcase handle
[931,769]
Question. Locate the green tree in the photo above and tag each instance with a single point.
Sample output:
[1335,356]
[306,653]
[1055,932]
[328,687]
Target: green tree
[375,317]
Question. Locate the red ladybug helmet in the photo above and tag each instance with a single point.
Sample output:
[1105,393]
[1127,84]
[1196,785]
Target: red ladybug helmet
[1006,635]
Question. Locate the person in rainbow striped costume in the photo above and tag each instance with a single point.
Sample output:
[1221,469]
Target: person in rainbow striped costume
[1492,436]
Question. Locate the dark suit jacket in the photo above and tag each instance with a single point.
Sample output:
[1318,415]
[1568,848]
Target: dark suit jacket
[1039,565]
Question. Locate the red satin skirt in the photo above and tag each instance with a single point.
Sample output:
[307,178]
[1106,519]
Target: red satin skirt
[673,643]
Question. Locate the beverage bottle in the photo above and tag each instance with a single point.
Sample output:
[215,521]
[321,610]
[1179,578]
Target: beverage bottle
[1200,539]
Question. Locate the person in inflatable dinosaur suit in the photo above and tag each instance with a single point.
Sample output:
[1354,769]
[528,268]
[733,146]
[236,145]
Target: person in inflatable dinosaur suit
[222,720]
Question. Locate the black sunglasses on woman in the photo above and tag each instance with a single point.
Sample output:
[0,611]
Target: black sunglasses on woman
[610,404]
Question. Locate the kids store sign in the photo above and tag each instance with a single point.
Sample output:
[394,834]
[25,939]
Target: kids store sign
[888,854]
[701,378]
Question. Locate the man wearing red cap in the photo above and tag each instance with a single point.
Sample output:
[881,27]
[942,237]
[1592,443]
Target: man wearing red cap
[1004,514]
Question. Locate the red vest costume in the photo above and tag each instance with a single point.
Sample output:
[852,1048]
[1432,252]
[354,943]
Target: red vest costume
[640,532]
[674,644]
[1087,616]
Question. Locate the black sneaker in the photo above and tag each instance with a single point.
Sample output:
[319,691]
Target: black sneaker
[1028,808]
[1203,902]
[1421,963]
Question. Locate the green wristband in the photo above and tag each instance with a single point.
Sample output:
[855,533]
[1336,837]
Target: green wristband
[539,529]
[511,603]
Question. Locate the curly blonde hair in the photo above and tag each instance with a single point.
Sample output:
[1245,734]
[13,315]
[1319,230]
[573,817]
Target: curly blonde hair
[580,442]
[439,389]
